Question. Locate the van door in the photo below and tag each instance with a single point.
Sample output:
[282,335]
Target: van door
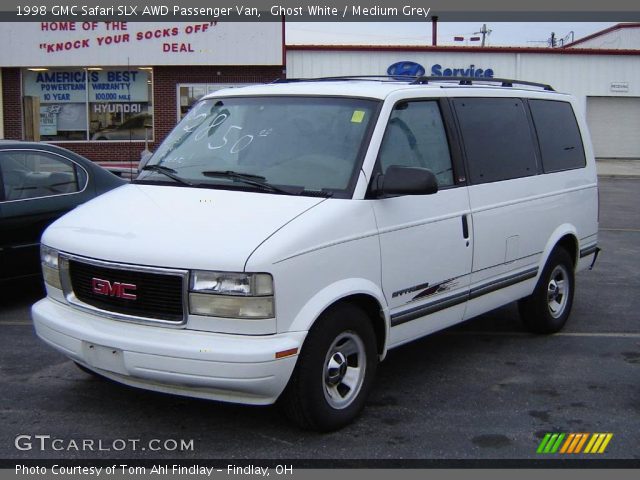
[510,222]
[425,240]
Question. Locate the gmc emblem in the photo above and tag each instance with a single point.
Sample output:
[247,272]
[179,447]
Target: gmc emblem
[115,289]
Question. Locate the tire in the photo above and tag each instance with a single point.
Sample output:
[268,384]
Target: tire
[548,308]
[335,371]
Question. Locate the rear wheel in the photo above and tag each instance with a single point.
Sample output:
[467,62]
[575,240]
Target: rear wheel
[335,370]
[549,306]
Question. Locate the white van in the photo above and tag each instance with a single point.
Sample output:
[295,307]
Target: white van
[284,237]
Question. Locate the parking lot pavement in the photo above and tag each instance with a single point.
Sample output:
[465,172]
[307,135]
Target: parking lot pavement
[616,167]
[483,390]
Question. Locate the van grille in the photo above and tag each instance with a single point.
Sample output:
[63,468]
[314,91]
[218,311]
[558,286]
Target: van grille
[155,295]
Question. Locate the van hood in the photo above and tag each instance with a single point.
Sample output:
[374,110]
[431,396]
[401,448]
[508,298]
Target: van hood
[175,227]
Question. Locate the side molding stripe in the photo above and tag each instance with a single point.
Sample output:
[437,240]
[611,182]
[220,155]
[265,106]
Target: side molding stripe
[442,303]
[586,251]
[422,310]
[504,282]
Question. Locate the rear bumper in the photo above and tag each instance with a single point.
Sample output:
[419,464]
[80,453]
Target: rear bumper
[232,368]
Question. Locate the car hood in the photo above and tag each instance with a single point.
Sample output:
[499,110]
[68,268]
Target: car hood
[176,227]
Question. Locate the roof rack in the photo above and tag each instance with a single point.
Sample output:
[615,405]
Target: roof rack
[389,78]
[423,80]
[504,82]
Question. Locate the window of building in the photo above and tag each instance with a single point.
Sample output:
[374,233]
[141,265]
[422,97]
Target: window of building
[190,93]
[92,103]
[415,137]
[497,138]
[558,134]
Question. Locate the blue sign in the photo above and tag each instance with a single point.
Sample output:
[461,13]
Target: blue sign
[471,71]
[412,69]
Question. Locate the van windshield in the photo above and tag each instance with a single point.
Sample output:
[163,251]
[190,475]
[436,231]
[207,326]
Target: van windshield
[301,145]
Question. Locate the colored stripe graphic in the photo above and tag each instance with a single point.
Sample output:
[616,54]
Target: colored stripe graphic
[582,442]
[567,443]
[551,442]
[573,443]
[598,443]
[556,445]
[590,444]
[543,443]
[607,439]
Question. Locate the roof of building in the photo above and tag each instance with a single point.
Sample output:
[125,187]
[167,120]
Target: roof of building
[462,49]
[602,33]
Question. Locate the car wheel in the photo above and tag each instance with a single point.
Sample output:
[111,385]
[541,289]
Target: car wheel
[334,372]
[548,308]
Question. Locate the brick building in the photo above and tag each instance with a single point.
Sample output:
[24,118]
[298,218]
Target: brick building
[108,90]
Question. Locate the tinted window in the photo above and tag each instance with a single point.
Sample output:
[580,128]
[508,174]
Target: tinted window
[415,137]
[31,174]
[497,138]
[558,134]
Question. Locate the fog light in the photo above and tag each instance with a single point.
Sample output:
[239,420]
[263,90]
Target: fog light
[231,306]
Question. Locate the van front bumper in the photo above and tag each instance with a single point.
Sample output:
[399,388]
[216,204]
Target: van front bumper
[231,368]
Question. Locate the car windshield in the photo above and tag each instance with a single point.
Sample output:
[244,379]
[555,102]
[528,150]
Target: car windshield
[295,144]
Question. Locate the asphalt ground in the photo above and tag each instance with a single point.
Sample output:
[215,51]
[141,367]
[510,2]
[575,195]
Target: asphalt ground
[482,390]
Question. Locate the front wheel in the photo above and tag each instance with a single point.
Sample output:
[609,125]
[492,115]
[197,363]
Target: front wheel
[549,306]
[334,372]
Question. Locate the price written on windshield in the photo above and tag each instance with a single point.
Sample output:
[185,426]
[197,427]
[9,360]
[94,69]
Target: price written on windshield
[233,139]
[240,144]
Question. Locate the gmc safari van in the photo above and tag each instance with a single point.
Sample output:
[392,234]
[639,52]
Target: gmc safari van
[284,237]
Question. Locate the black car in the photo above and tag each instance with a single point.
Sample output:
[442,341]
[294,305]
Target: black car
[38,184]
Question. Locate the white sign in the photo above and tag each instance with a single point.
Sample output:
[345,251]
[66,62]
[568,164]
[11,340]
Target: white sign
[71,86]
[49,120]
[63,117]
[60,44]
[620,87]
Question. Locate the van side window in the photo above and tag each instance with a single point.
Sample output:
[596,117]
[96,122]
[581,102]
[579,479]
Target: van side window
[558,134]
[497,138]
[415,137]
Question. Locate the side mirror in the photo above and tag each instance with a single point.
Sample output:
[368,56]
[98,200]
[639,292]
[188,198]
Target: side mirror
[400,180]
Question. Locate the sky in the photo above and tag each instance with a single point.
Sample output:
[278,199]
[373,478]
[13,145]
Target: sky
[529,34]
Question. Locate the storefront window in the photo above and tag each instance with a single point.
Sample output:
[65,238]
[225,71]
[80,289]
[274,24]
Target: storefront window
[93,103]
[63,96]
[188,94]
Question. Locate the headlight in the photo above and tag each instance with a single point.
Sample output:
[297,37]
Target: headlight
[225,283]
[231,295]
[50,266]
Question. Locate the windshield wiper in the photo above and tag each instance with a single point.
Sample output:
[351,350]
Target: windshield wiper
[247,178]
[168,172]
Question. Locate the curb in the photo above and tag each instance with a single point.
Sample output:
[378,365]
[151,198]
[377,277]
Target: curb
[619,176]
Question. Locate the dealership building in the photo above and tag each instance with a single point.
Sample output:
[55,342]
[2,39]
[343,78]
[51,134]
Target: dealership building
[106,90]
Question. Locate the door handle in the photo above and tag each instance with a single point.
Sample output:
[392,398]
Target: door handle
[465,227]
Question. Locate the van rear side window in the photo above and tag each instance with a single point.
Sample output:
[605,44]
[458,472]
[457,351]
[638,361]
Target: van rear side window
[558,134]
[497,138]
